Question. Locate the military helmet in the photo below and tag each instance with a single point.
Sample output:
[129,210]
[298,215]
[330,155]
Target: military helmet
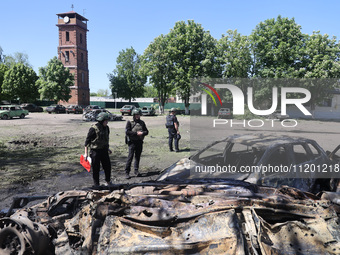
[136,111]
[103,116]
[173,109]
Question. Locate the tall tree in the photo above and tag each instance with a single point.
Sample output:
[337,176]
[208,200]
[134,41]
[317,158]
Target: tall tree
[18,57]
[235,55]
[3,70]
[1,56]
[119,86]
[127,80]
[55,81]
[276,46]
[150,91]
[159,67]
[193,54]
[20,83]
[320,64]
[103,93]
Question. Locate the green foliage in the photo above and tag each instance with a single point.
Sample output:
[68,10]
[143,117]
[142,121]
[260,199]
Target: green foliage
[3,70]
[280,50]
[150,91]
[235,55]
[276,45]
[157,64]
[320,59]
[193,54]
[55,81]
[103,93]
[127,79]
[155,106]
[20,83]
[18,57]
[248,115]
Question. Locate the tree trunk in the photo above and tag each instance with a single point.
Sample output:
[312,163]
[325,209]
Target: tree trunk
[161,108]
[212,110]
[186,104]
[162,98]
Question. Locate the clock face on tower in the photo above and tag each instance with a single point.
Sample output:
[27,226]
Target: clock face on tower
[66,19]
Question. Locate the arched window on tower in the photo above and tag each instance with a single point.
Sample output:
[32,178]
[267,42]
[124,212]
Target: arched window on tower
[67,56]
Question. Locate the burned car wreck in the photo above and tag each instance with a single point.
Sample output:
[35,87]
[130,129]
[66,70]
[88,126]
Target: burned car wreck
[264,160]
[91,115]
[178,215]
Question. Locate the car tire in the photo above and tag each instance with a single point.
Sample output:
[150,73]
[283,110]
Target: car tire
[22,116]
[5,117]
[15,237]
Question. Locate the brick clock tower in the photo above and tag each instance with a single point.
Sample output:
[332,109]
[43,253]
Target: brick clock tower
[72,51]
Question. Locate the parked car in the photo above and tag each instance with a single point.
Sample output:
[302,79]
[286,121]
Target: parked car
[91,107]
[148,110]
[92,115]
[74,109]
[56,108]
[278,115]
[127,109]
[261,159]
[224,113]
[32,107]
[11,111]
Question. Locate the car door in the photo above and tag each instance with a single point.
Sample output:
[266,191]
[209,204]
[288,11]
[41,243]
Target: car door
[276,156]
[12,112]
[335,154]
[310,160]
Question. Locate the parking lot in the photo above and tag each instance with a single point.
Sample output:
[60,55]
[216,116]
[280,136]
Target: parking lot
[40,153]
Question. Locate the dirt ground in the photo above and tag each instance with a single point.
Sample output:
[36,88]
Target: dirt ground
[39,155]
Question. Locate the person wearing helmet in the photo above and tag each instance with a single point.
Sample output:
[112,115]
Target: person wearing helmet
[98,141]
[172,125]
[135,132]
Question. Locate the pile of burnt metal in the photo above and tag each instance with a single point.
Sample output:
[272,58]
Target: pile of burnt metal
[217,217]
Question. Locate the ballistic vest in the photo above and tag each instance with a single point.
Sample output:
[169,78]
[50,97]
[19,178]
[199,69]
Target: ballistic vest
[102,137]
[170,121]
[137,126]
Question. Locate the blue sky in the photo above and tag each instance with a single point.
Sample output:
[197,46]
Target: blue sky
[30,26]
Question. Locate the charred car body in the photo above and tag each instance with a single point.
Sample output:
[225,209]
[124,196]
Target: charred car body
[182,214]
[207,217]
[263,160]
[74,109]
[92,115]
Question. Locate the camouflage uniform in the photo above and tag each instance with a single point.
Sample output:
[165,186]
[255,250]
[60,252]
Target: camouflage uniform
[135,143]
[98,140]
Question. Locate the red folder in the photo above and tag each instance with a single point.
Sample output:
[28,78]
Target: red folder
[85,163]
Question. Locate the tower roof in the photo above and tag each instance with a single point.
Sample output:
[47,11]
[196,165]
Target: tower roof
[72,14]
